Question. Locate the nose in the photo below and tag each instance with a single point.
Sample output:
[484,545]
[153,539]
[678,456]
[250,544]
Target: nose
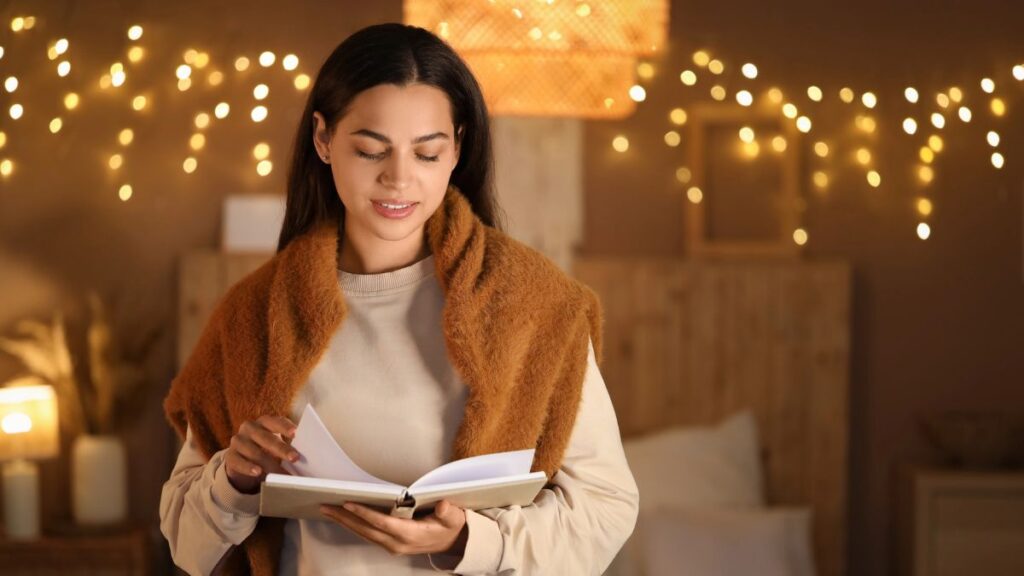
[397,172]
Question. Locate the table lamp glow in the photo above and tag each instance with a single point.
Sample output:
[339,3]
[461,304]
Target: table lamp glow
[28,431]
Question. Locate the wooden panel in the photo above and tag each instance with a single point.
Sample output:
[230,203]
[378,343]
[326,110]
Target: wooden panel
[689,342]
[204,278]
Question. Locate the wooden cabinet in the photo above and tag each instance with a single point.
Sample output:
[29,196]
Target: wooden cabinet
[118,554]
[962,523]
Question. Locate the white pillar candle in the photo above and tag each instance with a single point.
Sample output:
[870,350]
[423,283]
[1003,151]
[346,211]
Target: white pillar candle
[21,500]
[99,480]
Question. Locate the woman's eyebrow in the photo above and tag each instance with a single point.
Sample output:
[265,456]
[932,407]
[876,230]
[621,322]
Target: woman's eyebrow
[386,140]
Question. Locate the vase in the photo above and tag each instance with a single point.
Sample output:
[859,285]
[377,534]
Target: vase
[99,483]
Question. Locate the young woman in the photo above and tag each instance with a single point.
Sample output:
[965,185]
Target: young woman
[417,329]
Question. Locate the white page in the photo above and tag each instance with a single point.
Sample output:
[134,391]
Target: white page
[321,457]
[479,468]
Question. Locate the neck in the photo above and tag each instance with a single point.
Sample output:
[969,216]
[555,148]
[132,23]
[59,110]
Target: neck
[356,255]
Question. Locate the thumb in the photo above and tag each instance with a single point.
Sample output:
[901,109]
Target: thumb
[447,513]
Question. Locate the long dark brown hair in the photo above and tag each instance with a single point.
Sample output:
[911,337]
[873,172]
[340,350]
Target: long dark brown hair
[388,54]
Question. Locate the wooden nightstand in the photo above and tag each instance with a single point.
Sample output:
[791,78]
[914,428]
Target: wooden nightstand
[962,522]
[115,554]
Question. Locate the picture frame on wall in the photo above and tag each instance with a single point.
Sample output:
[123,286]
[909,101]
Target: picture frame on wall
[750,193]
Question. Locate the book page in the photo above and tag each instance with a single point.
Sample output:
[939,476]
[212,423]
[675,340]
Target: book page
[474,468]
[320,456]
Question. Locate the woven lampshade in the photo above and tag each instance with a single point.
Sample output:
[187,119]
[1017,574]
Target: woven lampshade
[549,59]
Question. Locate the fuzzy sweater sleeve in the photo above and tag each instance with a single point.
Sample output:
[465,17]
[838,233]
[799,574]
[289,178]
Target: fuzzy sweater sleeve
[578,523]
[201,514]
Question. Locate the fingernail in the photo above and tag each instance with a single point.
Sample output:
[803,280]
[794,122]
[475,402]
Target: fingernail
[294,456]
[255,470]
[348,506]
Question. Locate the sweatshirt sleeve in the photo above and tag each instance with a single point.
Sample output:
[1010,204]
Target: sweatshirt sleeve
[201,514]
[578,522]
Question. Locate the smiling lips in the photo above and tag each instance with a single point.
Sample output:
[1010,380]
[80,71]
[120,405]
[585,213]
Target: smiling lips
[394,209]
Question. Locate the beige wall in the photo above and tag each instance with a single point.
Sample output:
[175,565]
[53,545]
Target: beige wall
[937,324]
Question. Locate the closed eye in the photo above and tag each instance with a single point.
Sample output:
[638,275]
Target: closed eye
[380,156]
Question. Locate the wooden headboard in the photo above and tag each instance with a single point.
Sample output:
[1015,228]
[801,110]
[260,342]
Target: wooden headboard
[688,343]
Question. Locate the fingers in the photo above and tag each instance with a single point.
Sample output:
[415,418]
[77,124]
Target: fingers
[267,439]
[372,531]
[238,464]
[277,424]
[254,453]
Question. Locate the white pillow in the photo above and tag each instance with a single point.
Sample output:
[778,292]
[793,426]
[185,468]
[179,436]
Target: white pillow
[726,542]
[699,466]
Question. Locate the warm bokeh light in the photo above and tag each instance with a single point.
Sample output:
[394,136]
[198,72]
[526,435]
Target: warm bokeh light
[924,231]
[942,100]
[747,134]
[197,141]
[789,110]
[821,149]
[677,116]
[988,85]
[241,64]
[992,138]
[620,143]
[636,93]
[998,107]
[925,174]
[997,160]
[874,179]
[744,98]
[694,195]
[779,144]
[911,95]
[6,167]
[202,120]
[135,32]
[183,71]
[956,94]
[927,155]
[800,236]
[55,125]
[302,81]
[189,165]
[938,120]
[261,151]
[814,93]
[672,138]
[688,77]
[775,96]
[803,124]
[135,54]
[869,99]
[16,111]
[259,114]
[138,103]
[267,59]
[115,161]
[718,92]
[820,180]
[863,156]
[847,95]
[749,71]
[264,167]
[935,143]
[125,192]
[964,113]
[222,110]
[924,206]
[701,58]
[910,126]
[716,67]
[290,62]
[644,70]
[683,175]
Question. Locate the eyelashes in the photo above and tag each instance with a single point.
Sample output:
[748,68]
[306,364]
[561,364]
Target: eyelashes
[362,154]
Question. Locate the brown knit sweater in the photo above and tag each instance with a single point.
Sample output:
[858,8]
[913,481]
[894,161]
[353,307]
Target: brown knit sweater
[516,330]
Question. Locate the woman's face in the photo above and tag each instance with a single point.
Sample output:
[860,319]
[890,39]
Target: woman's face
[392,156]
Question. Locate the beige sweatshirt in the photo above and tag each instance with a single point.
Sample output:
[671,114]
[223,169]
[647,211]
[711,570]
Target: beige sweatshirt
[388,395]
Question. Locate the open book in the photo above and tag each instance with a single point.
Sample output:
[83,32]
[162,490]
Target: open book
[324,474]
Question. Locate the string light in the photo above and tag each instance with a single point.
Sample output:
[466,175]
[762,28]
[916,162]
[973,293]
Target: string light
[927,155]
[125,192]
[869,99]
[302,81]
[688,77]
[718,92]
[800,236]
[775,96]
[749,71]
[744,98]
[847,95]
[803,124]
[184,71]
[636,93]
[16,111]
[694,195]
[202,120]
[135,54]
[935,142]
[6,167]
[701,58]
[3,139]
[620,143]
[965,113]
[993,138]
[1018,72]
[115,161]
[820,180]
[814,93]
[747,134]
[938,120]
[821,149]
[988,86]
[926,174]
[998,160]
[55,125]
[942,100]
[189,165]
[789,110]
[645,70]
[261,151]
[215,78]
[998,107]
[264,167]
[874,179]
[716,67]
[63,69]
[241,64]
[672,138]
[911,95]
[910,126]
[222,110]
[126,136]
[135,32]
[71,100]
[677,116]
[924,206]
[138,103]
[683,174]
[197,141]
[290,62]
[956,94]
[864,156]
[267,59]
[779,144]
[924,231]
[11,84]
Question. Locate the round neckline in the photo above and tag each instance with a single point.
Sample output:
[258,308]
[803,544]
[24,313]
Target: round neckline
[395,280]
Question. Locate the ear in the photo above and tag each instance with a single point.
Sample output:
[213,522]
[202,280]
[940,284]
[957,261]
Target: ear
[458,146]
[321,135]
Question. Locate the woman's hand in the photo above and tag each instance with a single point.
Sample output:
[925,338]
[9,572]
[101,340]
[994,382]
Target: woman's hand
[257,449]
[443,531]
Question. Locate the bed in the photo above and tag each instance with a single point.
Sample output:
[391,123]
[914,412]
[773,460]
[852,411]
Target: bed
[690,345]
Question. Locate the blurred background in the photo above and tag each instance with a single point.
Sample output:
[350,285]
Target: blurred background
[803,219]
